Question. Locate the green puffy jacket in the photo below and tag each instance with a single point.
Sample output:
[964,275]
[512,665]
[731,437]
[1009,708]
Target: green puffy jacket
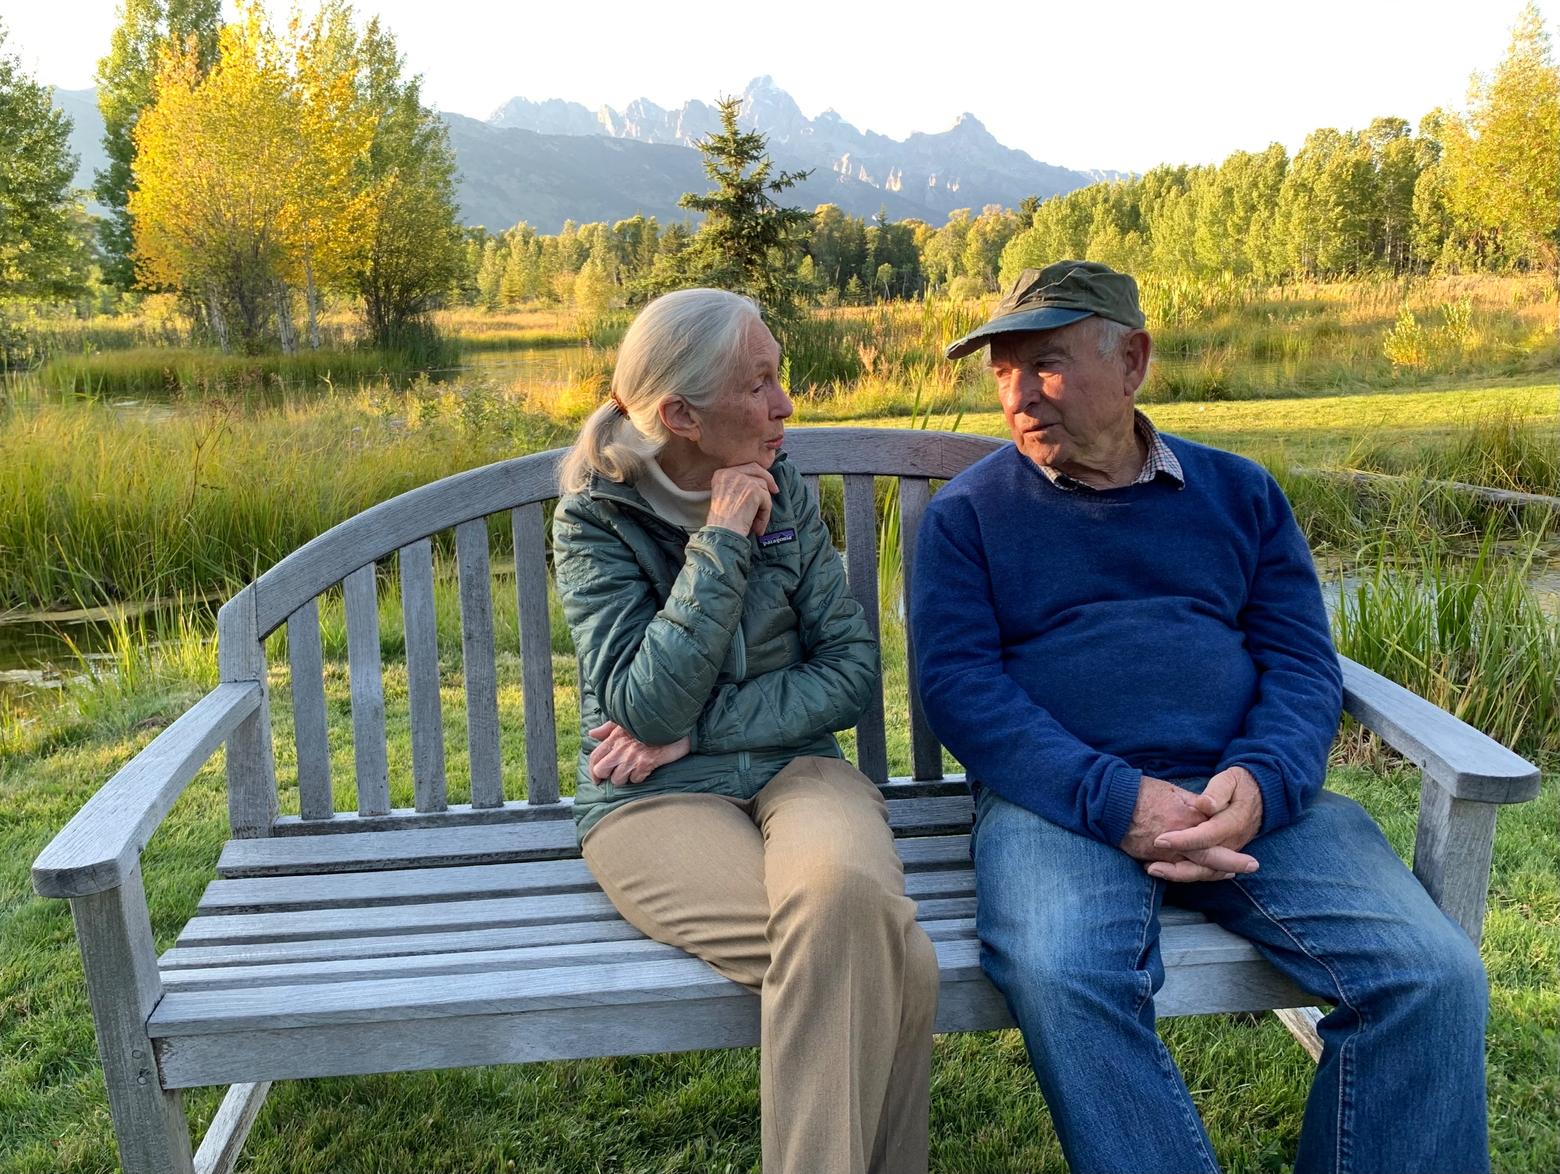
[752,647]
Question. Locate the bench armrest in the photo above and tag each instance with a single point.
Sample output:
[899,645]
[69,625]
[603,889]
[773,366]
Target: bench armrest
[101,846]
[1465,762]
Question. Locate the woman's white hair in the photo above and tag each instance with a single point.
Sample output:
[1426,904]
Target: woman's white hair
[685,343]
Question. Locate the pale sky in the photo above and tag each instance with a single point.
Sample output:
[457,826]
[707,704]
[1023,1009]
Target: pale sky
[1124,86]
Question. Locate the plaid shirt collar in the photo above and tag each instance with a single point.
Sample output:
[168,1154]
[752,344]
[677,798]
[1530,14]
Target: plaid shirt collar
[1160,460]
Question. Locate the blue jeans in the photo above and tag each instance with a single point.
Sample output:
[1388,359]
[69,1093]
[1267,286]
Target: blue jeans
[1069,929]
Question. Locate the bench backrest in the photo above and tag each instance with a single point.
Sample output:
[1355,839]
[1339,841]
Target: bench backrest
[403,529]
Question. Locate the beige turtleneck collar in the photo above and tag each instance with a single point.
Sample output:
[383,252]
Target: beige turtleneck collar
[688,508]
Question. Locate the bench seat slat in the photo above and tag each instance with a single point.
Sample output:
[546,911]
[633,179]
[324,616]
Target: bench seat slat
[227,967]
[327,890]
[256,953]
[726,1018]
[1186,944]
[508,842]
[358,920]
[656,978]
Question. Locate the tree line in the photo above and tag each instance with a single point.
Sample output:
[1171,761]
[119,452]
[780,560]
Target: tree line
[1469,192]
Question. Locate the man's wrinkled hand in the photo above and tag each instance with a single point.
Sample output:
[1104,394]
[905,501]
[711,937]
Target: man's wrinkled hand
[1166,815]
[1232,804]
[621,758]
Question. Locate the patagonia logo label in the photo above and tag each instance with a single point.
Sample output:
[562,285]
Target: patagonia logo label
[776,537]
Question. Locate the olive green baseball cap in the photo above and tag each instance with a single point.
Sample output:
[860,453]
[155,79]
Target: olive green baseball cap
[1062,292]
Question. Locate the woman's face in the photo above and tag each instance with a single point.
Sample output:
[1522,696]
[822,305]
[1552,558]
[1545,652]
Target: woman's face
[746,423]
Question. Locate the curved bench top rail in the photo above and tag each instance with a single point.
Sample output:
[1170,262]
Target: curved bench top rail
[463,497]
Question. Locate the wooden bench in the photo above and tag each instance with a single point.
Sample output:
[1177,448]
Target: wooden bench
[446,935]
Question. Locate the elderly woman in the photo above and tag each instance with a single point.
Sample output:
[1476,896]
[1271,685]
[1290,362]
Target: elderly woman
[718,650]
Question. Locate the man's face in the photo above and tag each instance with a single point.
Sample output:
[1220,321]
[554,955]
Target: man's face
[1066,405]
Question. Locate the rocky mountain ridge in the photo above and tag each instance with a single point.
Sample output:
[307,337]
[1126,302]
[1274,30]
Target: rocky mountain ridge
[550,161]
[934,173]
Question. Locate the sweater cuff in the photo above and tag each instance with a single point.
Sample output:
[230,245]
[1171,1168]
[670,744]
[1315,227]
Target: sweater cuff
[1121,793]
[1275,801]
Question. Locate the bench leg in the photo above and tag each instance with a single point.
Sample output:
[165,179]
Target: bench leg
[219,1148]
[1301,1023]
[123,986]
[1452,851]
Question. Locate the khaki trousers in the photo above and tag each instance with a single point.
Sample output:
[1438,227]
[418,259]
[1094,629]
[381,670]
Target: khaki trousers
[798,895]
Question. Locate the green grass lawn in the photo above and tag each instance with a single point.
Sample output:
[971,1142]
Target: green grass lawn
[1314,430]
[694,1112]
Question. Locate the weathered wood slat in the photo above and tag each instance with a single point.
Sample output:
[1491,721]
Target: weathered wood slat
[386,946]
[236,965]
[218,1152]
[861,569]
[101,846]
[1195,944]
[495,844]
[395,886]
[477,651]
[361,598]
[925,750]
[307,670]
[719,1014]
[478,890]
[1467,763]
[413,921]
[223,977]
[189,1061]
[658,980]
[1301,1023]
[520,811]
[887,452]
[363,920]
[251,763]
[420,620]
[541,734]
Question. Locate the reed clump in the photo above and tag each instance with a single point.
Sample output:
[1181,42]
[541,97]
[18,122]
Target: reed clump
[1470,635]
[102,504]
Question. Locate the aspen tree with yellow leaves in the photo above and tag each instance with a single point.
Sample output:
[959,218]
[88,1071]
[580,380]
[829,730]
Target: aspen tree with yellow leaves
[303,163]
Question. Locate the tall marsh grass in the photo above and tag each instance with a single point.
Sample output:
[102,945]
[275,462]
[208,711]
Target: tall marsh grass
[1470,636]
[164,371]
[1503,450]
[100,504]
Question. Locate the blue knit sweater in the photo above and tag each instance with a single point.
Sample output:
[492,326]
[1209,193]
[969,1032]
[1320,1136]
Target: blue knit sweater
[1069,642]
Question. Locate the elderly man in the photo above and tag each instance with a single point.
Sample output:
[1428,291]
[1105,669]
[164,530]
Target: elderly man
[1121,635]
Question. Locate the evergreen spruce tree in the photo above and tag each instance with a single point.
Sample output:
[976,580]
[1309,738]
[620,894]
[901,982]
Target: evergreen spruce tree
[748,242]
